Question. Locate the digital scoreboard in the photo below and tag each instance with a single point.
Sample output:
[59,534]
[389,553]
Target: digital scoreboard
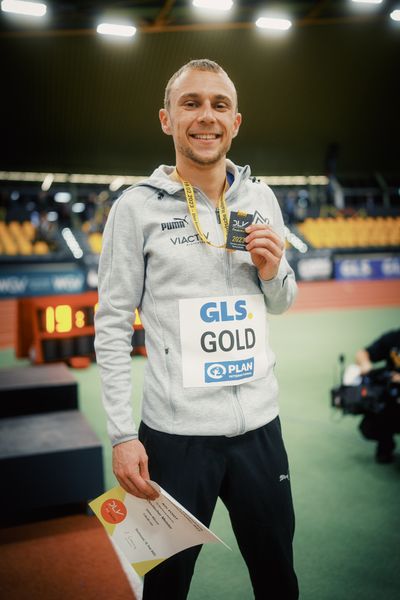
[61,328]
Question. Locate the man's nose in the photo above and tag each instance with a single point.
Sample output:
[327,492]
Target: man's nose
[206,114]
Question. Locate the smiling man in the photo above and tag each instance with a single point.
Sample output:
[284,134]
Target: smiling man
[183,247]
[208,140]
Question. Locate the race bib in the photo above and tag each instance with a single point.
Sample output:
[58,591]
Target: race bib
[223,340]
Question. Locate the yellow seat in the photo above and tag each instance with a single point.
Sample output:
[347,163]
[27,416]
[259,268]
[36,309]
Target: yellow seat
[40,248]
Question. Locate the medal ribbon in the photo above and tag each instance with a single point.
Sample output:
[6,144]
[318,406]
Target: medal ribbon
[192,206]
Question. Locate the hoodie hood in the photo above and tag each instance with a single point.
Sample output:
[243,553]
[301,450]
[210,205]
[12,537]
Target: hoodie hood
[160,179]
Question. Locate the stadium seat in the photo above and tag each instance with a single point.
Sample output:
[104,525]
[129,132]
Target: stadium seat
[352,232]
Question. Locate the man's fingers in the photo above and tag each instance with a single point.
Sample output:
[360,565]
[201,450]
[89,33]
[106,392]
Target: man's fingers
[143,487]
[267,255]
[144,469]
[266,243]
[130,465]
[134,484]
[129,487]
[263,232]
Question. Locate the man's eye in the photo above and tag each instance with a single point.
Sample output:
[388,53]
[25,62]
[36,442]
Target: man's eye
[190,104]
[221,106]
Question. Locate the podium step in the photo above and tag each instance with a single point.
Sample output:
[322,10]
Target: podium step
[37,389]
[46,461]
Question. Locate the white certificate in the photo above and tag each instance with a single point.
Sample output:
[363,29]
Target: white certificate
[149,531]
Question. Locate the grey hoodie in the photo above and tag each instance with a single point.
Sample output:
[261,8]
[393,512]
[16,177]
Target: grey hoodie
[151,258]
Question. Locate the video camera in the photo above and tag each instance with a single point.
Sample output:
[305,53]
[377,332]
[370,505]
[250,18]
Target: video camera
[359,394]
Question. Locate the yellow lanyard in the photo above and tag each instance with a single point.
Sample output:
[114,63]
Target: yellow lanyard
[191,202]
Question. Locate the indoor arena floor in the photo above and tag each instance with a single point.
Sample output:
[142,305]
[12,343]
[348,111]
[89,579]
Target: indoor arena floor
[347,506]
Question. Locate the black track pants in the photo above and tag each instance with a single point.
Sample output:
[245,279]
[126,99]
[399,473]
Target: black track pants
[250,474]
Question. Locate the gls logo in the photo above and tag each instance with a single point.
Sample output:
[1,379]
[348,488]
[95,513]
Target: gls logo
[212,312]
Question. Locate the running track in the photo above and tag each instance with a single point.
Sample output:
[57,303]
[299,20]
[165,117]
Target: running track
[320,295]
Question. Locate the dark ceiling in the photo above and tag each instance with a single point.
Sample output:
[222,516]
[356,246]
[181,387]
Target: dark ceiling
[74,101]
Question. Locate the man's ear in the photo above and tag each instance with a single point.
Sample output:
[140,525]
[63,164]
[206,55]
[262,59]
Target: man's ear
[164,120]
[238,121]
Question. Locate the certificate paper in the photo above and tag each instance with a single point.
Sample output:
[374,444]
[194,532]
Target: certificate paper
[149,531]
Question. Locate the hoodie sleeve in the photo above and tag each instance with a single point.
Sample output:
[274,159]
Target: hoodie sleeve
[281,291]
[120,285]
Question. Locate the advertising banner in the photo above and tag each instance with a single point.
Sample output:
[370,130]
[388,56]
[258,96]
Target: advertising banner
[368,267]
[17,282]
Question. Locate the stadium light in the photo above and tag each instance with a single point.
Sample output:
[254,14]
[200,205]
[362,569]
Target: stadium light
[47,181]
[273,23]
[116,29]
[117,183]
[213,4]
[106,180]
[72,242]
[31,9]
[78,207]
[52,216]
[62,197]
[395,14]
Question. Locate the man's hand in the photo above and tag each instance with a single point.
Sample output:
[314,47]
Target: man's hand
[266,249]
[364,361]
[130,468]
[395,377]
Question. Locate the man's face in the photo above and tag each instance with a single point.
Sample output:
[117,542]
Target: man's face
[202,117]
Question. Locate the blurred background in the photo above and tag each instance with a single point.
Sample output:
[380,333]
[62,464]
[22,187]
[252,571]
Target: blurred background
[317,89]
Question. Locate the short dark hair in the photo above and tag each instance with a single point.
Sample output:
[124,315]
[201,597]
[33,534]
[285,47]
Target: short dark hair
[201,64]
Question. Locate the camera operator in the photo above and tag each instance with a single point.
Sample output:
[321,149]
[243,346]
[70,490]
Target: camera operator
[382,426]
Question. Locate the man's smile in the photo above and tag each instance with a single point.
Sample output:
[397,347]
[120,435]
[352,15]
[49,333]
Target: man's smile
[205,136]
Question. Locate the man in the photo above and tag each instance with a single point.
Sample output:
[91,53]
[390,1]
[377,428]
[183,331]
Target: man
[210,423]
[383,425]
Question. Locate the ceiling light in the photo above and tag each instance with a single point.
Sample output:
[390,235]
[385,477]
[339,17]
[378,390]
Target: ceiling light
[395,15]
[32,9]
[48,180]
[72,242]
[368,1]
[62,197]
[52,216]
[84,179]
[213,4]
[116,29]
[273,23]
[117,183]
[78,207]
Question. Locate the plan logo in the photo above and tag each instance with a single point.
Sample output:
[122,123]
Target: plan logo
[177,223]
[229,370]
[216,371]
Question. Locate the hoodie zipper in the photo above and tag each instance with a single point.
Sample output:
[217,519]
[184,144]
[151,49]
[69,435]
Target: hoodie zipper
[227,262]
